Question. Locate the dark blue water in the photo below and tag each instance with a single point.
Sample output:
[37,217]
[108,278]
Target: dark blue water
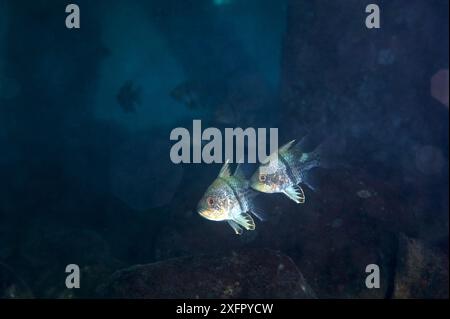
[85,118]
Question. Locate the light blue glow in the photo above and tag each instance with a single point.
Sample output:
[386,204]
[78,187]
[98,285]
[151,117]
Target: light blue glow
[221,2]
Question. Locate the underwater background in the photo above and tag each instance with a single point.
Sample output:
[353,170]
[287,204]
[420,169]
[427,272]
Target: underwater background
[85,172]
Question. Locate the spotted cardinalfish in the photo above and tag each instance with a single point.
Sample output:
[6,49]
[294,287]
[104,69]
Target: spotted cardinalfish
[284,170]
[229,198]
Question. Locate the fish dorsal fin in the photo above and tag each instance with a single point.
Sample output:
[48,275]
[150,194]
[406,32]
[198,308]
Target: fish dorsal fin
[285,147]
[239,172]
[272,157]
[225,170]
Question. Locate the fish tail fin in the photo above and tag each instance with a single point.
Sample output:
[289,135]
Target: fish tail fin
[325,155]
[316,158]
[311,180]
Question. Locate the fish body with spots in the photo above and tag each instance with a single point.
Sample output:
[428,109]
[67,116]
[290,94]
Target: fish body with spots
[285,170]
[229,198]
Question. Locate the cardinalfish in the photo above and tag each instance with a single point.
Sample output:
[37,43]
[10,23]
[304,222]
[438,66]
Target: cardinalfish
[229,198]
[188,94]
[198,95]
[129,96]
[284,170]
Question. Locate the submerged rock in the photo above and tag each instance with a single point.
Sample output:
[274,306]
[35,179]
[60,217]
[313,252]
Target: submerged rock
[47,252]
[251,274]
[11,285]
[421,272]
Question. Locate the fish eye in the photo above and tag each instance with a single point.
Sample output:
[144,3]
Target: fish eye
[262,177]
[210,201]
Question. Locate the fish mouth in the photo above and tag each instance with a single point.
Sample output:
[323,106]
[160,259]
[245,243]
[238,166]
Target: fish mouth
[205,213]
[201,212]
[261,188]
[210,214]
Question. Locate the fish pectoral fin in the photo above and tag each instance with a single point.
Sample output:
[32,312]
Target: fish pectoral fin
[259,214]
[246,221]
[295,193]
[237,229]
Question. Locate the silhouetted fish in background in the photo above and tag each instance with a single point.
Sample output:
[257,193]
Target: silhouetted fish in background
[188,94]
[196,95]
[129,96]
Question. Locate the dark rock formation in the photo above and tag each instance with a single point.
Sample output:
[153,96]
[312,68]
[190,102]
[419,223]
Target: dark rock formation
[337,71]
[421,271]
[11,285]
[373,88]
[252,274]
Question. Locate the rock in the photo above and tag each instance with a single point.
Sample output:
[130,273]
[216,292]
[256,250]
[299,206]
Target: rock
[51,282]
[44,257]
[421,271]
[11,285]
[362,68]
[332,238]
[250,274]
